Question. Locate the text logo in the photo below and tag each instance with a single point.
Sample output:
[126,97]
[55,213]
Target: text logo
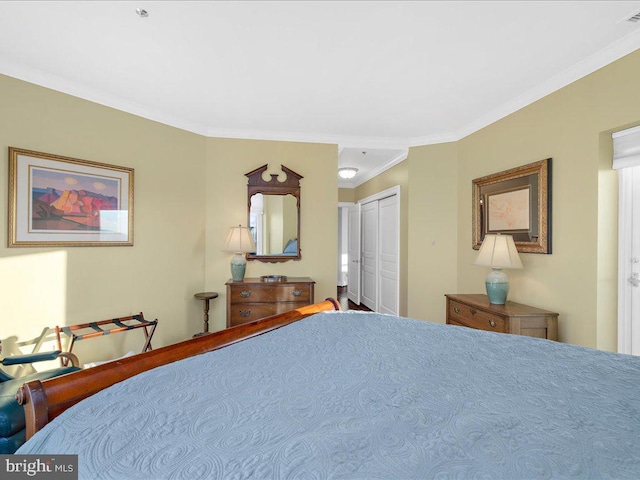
[50,467]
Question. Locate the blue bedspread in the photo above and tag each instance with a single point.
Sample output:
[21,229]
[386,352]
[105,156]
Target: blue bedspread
[366,396]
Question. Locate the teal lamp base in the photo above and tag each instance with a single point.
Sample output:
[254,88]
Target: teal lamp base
[497,285]
[238,267]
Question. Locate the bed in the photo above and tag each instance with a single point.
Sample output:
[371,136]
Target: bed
[347,395]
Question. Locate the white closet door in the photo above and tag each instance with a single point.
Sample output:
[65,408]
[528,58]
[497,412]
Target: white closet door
[353,252]
[369,284]
[388,229]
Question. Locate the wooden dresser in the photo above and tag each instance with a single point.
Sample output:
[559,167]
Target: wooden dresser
[475,311]
[253,298]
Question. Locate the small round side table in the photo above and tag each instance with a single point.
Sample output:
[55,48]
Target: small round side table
[205,297]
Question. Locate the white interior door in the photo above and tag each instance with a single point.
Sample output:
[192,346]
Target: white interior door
[353,252]
[388,261]
[369,279]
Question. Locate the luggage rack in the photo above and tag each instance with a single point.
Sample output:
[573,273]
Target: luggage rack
[85,331]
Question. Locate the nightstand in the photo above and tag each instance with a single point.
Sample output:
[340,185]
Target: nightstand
[475,311]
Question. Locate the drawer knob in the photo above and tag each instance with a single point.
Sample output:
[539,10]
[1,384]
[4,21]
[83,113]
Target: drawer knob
[297,293]
[473,311]
[456,309]
[244,313]
[245,293]
[492,323]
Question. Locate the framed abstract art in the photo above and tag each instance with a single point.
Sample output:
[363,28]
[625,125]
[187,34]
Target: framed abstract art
[62,201]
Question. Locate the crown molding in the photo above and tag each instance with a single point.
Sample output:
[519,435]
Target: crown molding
[63,85]
[346,184]
[377,171]
[613,52]
[343,141]
[602,58]
[433,139]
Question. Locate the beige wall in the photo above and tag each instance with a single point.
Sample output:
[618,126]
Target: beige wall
[346,195]
[188,191]
[433,231]
[572,126]
[578,280]
[397,175]
[227,162]
[158,275]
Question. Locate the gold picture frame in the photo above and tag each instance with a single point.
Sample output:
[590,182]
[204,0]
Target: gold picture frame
[63,201]
[515,202]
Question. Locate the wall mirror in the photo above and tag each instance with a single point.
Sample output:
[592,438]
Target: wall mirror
[274,215]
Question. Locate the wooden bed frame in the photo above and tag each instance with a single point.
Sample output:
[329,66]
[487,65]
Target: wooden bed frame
[43,401]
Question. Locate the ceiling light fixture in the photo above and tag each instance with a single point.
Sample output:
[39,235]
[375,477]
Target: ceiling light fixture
[142,13]
[347,172]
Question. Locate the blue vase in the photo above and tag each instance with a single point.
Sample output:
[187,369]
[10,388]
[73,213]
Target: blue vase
[238,267]
[497,284]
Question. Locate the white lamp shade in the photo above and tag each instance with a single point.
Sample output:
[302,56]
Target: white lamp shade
[498,251]
[239,240]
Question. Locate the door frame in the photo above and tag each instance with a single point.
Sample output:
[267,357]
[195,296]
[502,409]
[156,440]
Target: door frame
[628,259]
[389,192]
[353,295]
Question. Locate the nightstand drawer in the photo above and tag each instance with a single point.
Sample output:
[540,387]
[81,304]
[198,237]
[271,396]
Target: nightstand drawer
[475,311]
[284,293]
[474,318]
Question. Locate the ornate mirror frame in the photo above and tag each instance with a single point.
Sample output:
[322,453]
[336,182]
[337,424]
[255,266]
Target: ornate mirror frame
[290,186]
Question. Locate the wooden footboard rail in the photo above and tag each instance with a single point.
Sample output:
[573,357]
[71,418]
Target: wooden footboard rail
[43,401]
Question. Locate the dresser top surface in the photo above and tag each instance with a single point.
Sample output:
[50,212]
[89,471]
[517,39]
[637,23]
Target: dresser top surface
[258,281]
[509,308]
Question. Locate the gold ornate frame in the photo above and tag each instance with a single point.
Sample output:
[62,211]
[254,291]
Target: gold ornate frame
[34,221]
[535,176]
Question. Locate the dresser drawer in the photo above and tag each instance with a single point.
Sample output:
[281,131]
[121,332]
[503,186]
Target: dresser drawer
[249,312]
[281,293]
[244,313]
[475,318]
[253,299]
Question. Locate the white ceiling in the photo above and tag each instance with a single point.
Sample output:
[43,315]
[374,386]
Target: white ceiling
[370,76]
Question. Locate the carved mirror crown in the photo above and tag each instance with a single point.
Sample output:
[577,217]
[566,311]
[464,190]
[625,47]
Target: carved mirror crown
[274,215]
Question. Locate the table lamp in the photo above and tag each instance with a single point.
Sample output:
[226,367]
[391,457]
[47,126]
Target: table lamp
[239,241]
[498,252]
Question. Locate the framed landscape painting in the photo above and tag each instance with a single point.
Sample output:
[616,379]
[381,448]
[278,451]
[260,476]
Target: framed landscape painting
[515,202]
[61,201]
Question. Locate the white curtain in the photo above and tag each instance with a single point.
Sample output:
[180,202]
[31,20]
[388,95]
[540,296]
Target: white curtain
[626,148]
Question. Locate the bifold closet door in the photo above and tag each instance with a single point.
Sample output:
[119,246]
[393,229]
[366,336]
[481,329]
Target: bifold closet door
[353,252]
[388,227]
[369,275]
